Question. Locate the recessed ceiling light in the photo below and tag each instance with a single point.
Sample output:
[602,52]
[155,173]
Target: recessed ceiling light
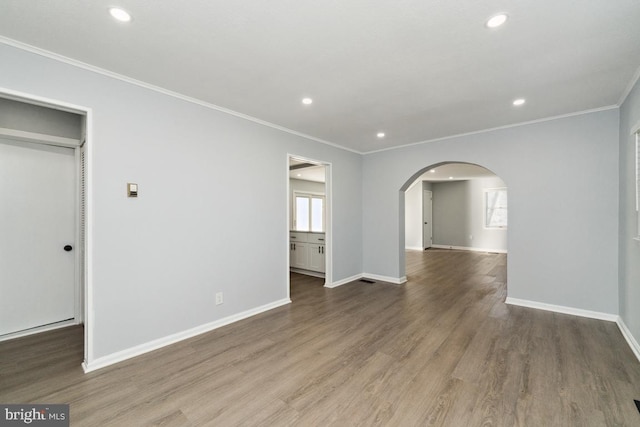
[450,177]
[432,171]
[307,101]
[519,101]
[497,20]
[299,174]
[120,14]
[380,134]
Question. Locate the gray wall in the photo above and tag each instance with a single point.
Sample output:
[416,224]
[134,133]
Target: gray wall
[562,239]
[451,210]
[629,248]
[458,215]
[302,185]
[159,260]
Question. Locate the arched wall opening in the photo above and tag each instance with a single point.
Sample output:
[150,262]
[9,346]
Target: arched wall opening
[562,182]
[453,205]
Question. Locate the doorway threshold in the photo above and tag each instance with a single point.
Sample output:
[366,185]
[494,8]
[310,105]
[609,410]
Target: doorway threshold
[38,329]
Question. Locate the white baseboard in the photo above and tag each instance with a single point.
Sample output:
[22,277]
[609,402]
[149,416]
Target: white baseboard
[343,281]
[563,309]
[626,333]
[395,280]
[414,248]
[468,248]
[120,356]
[39,329]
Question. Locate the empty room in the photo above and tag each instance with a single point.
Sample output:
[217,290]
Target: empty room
[441,200]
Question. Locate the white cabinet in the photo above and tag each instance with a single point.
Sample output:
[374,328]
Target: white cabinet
[306,251]
[299,254]
[315,238]
[298,250]
[316,257]
[316,252]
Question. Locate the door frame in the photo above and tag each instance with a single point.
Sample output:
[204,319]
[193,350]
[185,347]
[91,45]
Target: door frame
[328,275]
[83,274]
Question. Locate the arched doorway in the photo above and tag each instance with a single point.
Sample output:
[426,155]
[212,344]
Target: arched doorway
[455,207]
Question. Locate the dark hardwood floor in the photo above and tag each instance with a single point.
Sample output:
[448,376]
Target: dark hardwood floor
[442,349]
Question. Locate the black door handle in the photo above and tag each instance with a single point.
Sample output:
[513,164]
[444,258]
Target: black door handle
[68,248]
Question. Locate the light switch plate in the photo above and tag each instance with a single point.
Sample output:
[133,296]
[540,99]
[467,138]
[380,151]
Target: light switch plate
[132,189]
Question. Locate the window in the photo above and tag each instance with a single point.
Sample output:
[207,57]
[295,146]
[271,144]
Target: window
[495,208]
[308,212]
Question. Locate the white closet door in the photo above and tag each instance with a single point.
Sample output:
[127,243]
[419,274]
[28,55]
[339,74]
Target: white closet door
[37,217]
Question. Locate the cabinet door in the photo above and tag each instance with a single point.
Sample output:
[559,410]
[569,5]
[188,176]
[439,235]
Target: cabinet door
[299,252]
[316,257]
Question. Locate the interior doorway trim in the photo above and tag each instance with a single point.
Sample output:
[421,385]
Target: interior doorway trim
[84,285]
[328,218]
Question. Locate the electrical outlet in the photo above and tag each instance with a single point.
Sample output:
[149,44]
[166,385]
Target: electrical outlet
[219,299]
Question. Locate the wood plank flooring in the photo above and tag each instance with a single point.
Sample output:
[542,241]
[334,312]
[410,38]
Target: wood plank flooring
[442,349]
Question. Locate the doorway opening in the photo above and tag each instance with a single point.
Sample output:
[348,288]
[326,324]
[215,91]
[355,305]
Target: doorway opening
[309,217]
[44,215]
[455,206]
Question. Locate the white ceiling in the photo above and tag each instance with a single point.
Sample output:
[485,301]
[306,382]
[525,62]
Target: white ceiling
[310,171]
[417,70]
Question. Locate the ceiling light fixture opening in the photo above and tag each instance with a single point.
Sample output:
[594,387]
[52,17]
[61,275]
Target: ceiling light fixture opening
[432,171]
[380,134]
[497,20]
[120,14]
[307,101]
[450,177]
[518,102]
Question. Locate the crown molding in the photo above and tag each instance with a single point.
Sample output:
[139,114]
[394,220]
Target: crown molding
[98,70]
[478,132]
[140,83]
[629,87]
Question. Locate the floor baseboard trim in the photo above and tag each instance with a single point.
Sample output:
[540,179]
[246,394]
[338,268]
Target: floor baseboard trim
[468,248]
[626,333]
[39,329]
[138,350]
[394,280]
[414,248]
[563,309]
[343,281]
